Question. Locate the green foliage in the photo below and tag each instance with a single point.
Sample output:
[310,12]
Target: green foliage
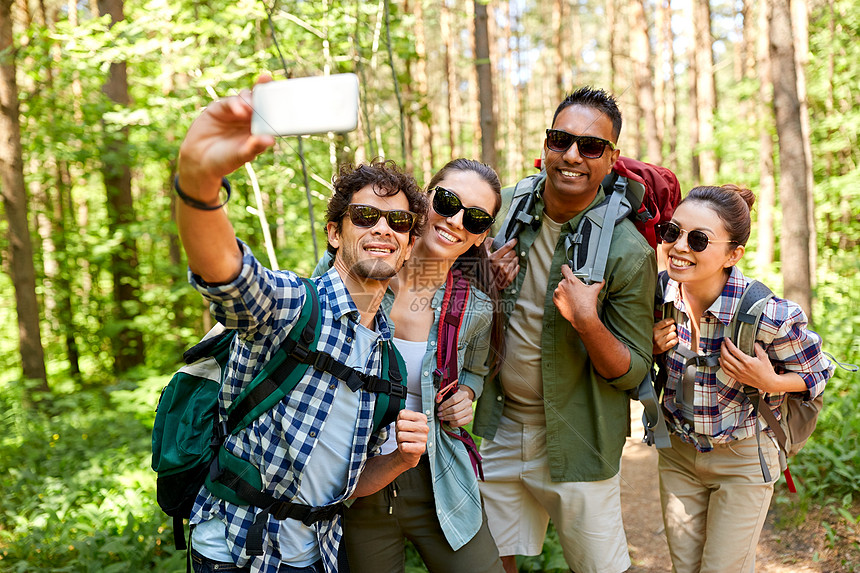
[78,493]
[84,500]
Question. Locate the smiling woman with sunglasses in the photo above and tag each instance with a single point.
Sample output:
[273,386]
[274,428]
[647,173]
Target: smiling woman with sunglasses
[437,504]
[713,495]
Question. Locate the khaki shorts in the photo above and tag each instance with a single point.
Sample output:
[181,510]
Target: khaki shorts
[520,499]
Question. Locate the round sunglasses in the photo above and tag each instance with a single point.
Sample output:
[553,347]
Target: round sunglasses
[589,147]
[697,240]
[448,204]
[398,220]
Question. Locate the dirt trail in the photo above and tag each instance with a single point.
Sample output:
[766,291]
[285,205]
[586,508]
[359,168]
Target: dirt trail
[794,550]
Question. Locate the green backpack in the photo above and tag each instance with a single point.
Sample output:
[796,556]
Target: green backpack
[188,434]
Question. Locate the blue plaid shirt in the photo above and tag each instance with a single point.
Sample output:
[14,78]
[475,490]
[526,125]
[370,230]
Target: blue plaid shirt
[721,410]
[263,305]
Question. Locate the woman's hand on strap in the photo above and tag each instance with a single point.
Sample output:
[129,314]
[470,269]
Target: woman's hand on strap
[665,335]
[457,410]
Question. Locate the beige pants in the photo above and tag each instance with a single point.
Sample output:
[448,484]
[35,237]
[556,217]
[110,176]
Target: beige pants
[715,504]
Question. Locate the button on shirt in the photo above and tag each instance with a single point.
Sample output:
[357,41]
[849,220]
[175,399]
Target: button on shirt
[263,305]
[721,410]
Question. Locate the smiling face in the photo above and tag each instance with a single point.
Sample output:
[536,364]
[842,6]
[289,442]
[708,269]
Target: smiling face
[573,180]
[373,253]
[445,237]
[689,267]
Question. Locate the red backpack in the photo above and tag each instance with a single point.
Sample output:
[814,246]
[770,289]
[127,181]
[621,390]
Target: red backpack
[661,194]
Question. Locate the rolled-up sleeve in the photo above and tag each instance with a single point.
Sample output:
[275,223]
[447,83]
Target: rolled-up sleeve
[257,302]
[793,347]
[628,309]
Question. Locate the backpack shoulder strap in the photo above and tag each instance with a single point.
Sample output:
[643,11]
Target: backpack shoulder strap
[389,404]
[745,322]
[283,371]
[587,248]
[520,211]
[450,319]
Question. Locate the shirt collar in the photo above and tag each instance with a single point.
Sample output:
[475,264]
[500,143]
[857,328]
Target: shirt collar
[727,303]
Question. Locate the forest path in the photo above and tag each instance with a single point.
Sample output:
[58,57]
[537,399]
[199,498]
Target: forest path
[790,550]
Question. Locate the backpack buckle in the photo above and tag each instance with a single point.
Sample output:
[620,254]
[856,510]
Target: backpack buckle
[437,377]
[322,361]
[397,390]
[300,352]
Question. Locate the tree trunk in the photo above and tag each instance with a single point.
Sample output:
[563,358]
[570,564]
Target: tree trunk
[611,26]
[485,86]
[671,130]
[14,192]
[425,125]
[792,160]
[706,97]
[128,344]
[513,151]
[640,52]
[451,80]
[767,185]
[692,75]
[58,208]
[558,62]
[800,28]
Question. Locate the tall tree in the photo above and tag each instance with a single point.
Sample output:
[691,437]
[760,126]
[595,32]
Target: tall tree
[116,170]
[425,125]
[640,52]
[670,91]
[15,203]
[767,183]
[792,159]
[485,86]
[706,94]
[558,38]
[613,44]
[451,79]
[800,33]
[58,203]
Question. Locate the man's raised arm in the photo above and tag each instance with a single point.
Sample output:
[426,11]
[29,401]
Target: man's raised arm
[217,143]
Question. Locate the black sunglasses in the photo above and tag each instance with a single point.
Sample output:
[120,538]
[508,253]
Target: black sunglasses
[697,240]
[366,216]
[447,204]
[590,147]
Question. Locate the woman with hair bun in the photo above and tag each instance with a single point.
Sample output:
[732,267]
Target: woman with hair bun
[712,491]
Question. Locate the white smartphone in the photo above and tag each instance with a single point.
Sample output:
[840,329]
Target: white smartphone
[304,106]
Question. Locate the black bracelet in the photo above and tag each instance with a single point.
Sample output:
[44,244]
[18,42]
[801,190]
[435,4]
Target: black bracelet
[192,202]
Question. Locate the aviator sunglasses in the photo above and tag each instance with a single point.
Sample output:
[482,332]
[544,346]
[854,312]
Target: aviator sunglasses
[398,220]
[697,240]
[590,147]
[447,204]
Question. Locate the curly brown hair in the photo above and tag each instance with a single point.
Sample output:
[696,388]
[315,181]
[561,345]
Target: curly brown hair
[387,180]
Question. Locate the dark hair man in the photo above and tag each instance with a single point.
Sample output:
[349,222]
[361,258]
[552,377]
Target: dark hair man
[315,447]
[555,418]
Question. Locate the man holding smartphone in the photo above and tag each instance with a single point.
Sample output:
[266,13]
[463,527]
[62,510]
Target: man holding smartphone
[555,418]
[315,447]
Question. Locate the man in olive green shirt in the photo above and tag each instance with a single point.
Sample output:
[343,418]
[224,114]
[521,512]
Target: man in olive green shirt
[556,416]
